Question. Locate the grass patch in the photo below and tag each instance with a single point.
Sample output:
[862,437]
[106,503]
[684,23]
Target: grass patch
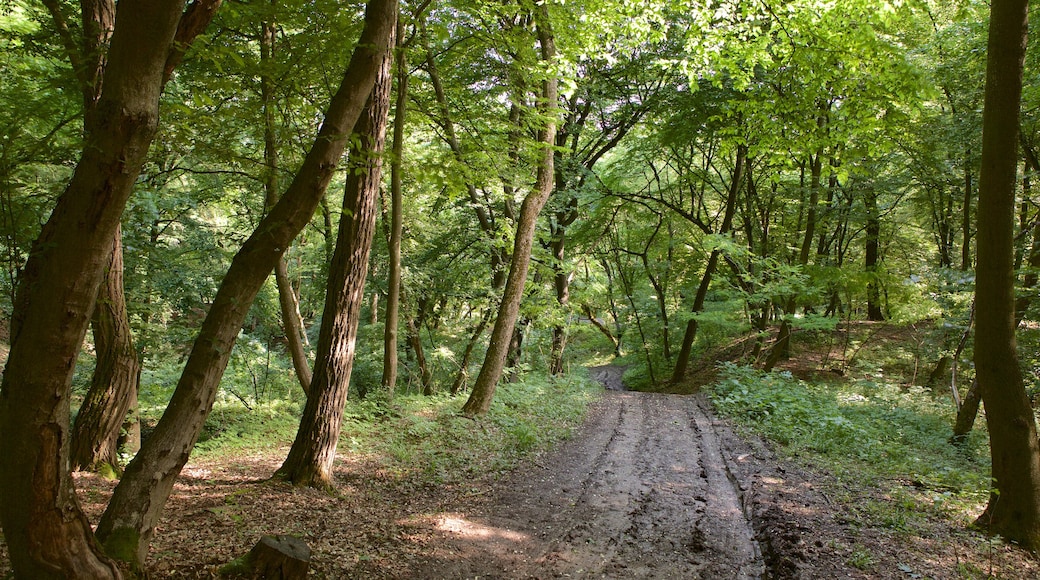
[427,437]
[867,431]
[417,436]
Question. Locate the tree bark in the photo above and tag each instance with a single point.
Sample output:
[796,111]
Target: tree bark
[393,293]
[311,457]
[138,500]
[113,389]
[494,361]
[1014,506]
[46,533]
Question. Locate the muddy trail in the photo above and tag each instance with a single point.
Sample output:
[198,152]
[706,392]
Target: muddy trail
[651,487]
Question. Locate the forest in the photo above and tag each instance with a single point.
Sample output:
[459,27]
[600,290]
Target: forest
[378,259]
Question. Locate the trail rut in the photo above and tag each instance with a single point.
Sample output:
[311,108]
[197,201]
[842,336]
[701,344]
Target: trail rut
[644,490]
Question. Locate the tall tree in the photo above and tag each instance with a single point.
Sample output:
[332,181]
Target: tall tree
[129,522]
[483,392]
[393,291]
[288,302]
[314,449]
[47,534]
[113,388]
[1014,506]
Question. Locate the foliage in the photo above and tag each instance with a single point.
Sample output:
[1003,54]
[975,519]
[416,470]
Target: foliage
[867,428]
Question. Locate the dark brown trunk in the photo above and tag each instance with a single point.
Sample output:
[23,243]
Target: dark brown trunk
[138,500]
[562,286]
[415,341]
[966,214]
[45,531]
[781,348]
[873,233]
[966,414]
[1014,506]
[314,450]
[113,389]
[494,361]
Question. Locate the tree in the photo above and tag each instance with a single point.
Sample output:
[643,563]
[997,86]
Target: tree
[129,522]
[312,454]
[480,398]
[1014,506]
[288,302]
[113,389]
[47,534]
[393,291]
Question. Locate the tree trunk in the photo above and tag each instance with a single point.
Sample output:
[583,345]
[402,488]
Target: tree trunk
[393,294]
[494,361]
[1014,506]
[415,340]
[113,389]
[966,215]
[966,414]
[46,533]
[314,450]
[135,507]
[873,231]
[781,348]
[709,269]
[288,303]
[562,285]
[467,354]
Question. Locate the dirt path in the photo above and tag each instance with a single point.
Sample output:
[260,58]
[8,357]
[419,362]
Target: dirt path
[643,491]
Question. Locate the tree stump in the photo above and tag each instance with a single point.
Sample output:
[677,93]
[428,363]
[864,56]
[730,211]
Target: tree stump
[280,557]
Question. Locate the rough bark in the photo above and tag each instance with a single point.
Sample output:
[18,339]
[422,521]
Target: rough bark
[494,361]
[137,502]
[1014,506]
[393,293]
[313,451]
[46,533]
[113,389]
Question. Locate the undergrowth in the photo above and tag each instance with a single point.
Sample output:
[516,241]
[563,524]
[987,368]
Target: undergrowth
[864,431]
[417,436]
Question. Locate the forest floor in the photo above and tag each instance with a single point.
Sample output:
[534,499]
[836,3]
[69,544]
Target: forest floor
[651,486]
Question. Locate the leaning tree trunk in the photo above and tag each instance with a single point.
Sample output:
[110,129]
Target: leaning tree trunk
[314,450]
[46,533]
[129,522]
[1014,506]
[113,389]
[494,361]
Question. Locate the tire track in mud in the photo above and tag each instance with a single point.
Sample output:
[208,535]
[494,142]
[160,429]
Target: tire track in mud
[643,490]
